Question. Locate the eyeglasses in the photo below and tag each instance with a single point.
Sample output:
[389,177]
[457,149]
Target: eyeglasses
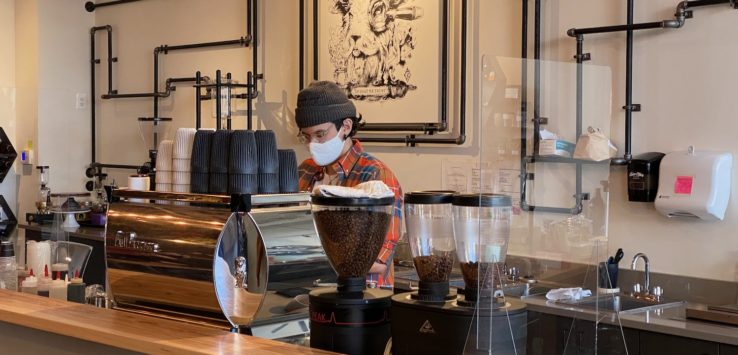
[305,138]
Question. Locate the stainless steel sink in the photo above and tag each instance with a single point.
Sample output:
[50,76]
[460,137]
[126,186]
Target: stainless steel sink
[625,303]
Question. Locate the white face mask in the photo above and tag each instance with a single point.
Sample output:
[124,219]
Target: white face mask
[327,152]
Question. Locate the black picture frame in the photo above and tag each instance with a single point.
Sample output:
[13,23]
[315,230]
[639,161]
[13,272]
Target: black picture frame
[426,129]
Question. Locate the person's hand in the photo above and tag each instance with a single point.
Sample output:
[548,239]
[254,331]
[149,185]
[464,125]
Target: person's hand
[378,268]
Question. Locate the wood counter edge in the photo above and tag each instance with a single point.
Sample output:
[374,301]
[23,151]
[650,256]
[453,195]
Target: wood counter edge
[53,316]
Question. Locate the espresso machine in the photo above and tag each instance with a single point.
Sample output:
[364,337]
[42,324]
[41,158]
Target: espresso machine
[351,318]
[479,320]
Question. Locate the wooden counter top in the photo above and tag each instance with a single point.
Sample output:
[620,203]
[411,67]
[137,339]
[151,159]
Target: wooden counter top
[131,331]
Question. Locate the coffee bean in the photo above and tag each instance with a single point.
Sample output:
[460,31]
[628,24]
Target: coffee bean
[473,272]
[433,268]
[351,238]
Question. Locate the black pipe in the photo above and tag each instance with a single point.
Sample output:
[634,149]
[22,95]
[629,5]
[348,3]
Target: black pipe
[389,127]
[198,102]
[110,60]
[537,78]
[91,6]
[168,91]
[228,104]
[242,42]
[302,44]
[249,102]
[618,28]
[629,82]
[156,82]
[524,103]
[696,3]
[255,42]
[217,100]
[93,61]
[114,166]
[444,64]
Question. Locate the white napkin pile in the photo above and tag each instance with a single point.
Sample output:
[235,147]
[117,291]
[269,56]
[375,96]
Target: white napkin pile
[372,189]
[567,294]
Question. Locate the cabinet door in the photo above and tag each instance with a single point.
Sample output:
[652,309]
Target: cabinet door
[726,349]
[656,343]
[541,334]
[579,337]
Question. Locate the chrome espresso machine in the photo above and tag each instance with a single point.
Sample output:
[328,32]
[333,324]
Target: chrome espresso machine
[233,262]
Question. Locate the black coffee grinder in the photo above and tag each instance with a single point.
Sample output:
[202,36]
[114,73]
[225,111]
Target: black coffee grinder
[350,318]
[481,321]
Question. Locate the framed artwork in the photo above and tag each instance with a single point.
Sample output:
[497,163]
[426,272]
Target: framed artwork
[390,56]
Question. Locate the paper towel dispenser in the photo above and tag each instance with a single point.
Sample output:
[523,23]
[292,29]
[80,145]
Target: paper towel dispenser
[695,184]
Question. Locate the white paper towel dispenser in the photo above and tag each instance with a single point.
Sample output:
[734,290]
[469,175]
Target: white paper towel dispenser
[695,184]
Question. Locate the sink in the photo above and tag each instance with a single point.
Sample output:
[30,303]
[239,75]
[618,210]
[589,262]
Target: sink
[624,303]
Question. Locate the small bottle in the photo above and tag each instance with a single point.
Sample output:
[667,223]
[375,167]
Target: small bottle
[58,289]
[44,283]
[8,269]
[76,289]
[30,284]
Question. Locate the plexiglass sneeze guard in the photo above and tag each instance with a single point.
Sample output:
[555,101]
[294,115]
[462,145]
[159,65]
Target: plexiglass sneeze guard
[553,234]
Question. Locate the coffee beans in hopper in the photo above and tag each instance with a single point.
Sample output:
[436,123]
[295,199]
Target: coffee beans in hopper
[473,271]
[351,238]
[433,268]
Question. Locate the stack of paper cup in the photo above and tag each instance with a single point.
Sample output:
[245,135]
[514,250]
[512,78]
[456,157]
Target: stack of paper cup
[164,166]
[39,255]
[181,158]
[139,182]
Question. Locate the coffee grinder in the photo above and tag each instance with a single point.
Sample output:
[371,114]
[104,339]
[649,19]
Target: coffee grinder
[479,321]
[350,318]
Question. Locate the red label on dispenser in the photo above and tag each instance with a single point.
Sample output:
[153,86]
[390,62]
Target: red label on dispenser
[683,185]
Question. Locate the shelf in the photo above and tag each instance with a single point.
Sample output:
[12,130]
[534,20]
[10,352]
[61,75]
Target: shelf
[563,160]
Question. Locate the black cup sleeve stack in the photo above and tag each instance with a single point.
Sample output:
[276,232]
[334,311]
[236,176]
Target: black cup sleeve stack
[200,162]
[266,146]
[243,166]
[288,174]
[219,151]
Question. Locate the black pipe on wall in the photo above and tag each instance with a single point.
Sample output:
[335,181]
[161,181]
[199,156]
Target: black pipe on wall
[91,6]
[682,13]
[94,61]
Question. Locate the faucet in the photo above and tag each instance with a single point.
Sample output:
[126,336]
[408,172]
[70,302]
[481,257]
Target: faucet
[647,269]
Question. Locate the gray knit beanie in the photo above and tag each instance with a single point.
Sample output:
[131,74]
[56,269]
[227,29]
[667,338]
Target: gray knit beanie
[322,102]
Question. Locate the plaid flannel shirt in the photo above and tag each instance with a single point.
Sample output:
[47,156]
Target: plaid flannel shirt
[355,167]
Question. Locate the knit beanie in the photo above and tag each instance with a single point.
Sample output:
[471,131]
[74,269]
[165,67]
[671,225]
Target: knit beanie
[322,102]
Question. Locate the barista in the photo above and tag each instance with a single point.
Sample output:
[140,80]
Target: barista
[327,120]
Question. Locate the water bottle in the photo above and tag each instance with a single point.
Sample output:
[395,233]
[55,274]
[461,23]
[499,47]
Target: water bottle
[8,270]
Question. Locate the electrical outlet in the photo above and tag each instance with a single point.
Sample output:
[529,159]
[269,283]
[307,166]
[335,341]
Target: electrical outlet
[81,101]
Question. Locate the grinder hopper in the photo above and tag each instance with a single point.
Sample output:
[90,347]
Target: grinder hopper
[482,232]
[352,232]
[431,238]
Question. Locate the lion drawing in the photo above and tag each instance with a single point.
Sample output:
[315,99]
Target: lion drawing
[370,48]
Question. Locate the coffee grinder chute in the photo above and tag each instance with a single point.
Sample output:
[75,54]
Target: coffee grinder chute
[350,318]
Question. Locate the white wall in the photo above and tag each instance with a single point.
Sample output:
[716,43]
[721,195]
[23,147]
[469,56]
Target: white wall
[7,90]
[63,72]
[26,73]
[685,81]
[681,77]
